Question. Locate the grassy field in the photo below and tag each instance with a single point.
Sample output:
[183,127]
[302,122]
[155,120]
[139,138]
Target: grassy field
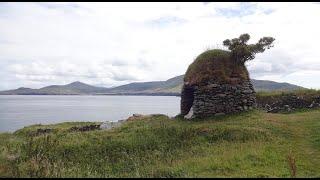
[250,144]
[298,92]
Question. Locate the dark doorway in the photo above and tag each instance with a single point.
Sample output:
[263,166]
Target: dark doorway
[187,97]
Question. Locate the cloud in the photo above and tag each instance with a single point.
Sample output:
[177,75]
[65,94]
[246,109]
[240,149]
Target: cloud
[165,21]
[111,44]
[243,9]
[59,5]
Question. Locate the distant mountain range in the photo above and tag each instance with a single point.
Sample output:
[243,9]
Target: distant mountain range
[169,87]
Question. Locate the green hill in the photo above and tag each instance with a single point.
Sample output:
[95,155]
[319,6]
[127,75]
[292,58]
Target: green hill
[174,85]
[250,144]
[169,87]
[75,88]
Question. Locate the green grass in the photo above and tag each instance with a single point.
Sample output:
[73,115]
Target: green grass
[251,144]
[298,92]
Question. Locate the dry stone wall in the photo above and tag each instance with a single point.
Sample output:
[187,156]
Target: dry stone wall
[287,103]
[218,99]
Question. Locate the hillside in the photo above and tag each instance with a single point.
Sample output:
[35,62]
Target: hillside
[169,87]
[174,85]
[250,144]
[75,88]
[265,85]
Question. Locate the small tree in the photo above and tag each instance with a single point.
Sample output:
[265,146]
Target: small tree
[242,52]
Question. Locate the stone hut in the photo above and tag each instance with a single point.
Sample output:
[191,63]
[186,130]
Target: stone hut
[215,84]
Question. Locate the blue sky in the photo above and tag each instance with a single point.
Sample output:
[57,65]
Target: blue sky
[243,9]
[110,44]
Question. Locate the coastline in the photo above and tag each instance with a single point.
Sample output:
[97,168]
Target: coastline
[120,94]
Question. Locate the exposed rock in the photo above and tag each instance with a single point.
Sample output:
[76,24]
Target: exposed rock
[12,157]
[287,108]
[213,85]
[190,114]
[314,104]
[287,103]
[110,125]
[141,116]
[219,114]
[221,95]
[247,91]
[137,115]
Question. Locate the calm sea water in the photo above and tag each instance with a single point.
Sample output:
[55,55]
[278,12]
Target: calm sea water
[19,111]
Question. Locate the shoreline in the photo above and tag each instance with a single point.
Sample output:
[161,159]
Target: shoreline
[178,95]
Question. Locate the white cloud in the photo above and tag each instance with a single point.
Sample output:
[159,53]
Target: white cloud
[116,43]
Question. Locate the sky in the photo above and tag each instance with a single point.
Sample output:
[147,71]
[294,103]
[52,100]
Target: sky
[110,44]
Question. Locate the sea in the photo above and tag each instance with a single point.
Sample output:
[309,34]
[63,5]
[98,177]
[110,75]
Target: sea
[18,111]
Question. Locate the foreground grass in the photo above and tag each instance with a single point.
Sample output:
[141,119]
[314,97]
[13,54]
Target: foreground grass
[252,144]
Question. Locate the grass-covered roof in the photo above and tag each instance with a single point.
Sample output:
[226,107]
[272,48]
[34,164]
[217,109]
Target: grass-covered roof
[215,66]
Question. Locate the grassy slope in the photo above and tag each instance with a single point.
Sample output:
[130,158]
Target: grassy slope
[251,144]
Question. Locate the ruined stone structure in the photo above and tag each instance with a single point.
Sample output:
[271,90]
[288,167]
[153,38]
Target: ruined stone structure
[215,85]
[279,103]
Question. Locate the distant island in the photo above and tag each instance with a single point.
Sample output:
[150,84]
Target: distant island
[170,87]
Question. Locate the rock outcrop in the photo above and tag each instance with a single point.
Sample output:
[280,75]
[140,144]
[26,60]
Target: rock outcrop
[109,125]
